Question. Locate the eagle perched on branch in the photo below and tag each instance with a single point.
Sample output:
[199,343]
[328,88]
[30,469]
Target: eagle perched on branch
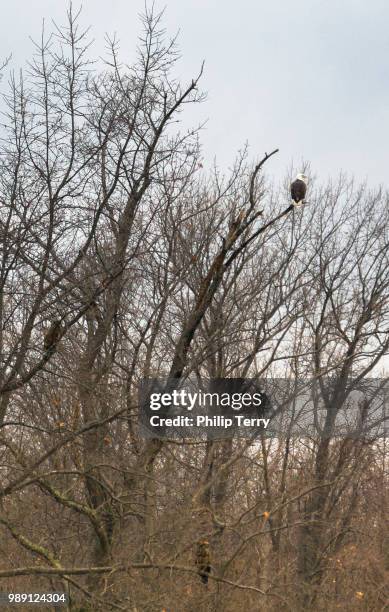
[52,335]
[298,189]
[203,560]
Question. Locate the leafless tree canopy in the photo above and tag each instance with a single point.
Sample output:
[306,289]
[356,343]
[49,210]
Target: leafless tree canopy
[120,259]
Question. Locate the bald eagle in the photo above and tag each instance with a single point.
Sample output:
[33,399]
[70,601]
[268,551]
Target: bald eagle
[298,189]
[52,335]
[203,560]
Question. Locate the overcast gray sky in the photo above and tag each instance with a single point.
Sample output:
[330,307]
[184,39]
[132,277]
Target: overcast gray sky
[308,76]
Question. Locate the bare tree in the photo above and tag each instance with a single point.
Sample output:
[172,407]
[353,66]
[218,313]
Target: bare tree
[122,259]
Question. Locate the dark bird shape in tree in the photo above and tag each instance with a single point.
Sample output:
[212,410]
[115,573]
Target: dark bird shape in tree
[92,312]
[203,560]
[52,335]
[298,190]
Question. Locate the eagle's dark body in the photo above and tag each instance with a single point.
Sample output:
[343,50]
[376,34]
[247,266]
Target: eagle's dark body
[203,560]
[52,335]
[298,189]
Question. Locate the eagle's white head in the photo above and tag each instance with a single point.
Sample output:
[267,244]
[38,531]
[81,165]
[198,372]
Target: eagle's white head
[302,177]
